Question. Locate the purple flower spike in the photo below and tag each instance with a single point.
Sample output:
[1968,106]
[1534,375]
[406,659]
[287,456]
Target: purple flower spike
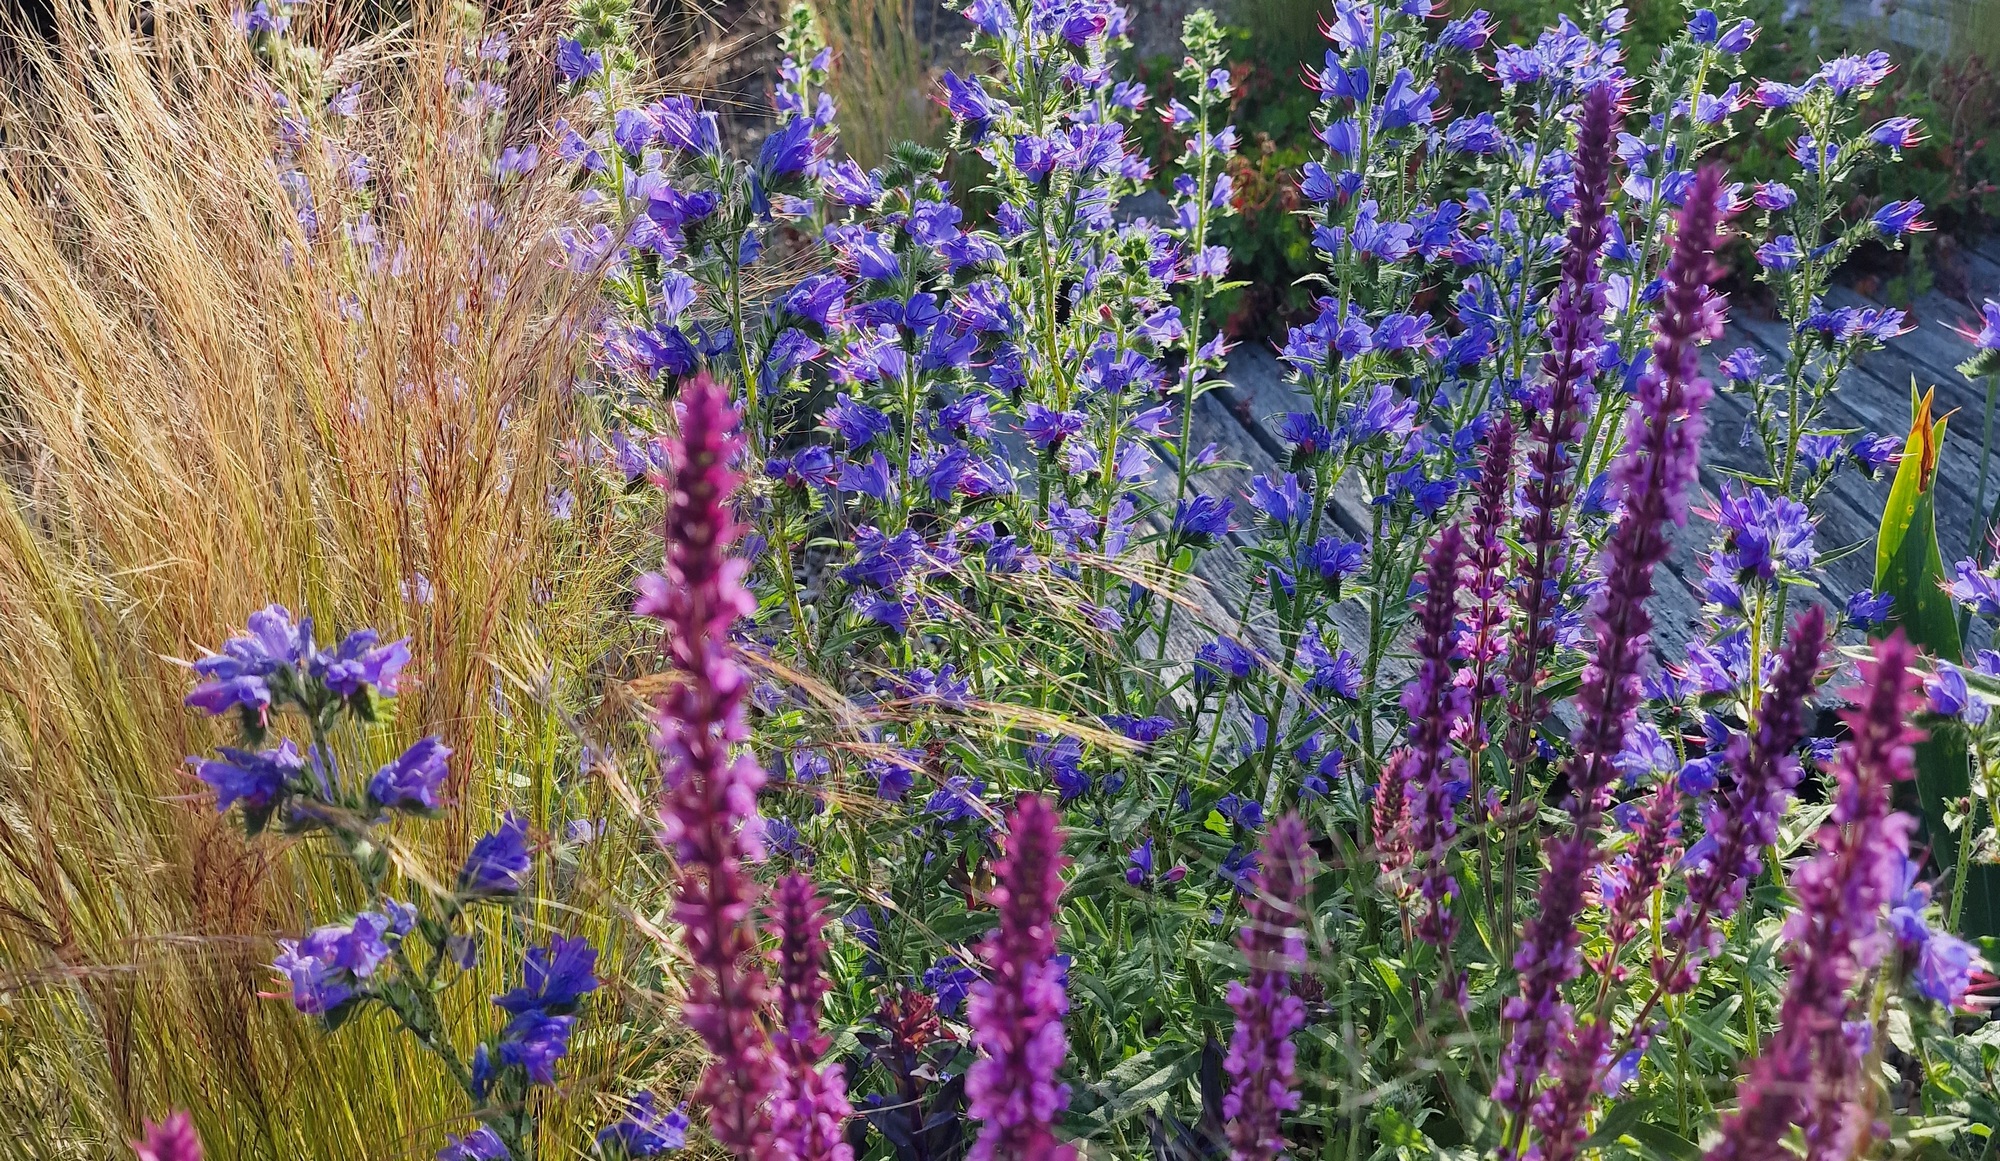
[1652,475]
[170,1140]
[1555,419]
[1261,1054]
[1485,572]
[1017,1014]
[1763,771]
[710,793]
[1808,1073]
[1435,706]
[810,1105]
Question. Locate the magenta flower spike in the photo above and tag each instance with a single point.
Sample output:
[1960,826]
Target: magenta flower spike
[1763,772]
[1652,476]
[1261,1055]
[1485,574]
[810,1106]
[1810,1072]
[710,793]
[1555,418]
[173,1139]
[1435,705]
[1017,1012]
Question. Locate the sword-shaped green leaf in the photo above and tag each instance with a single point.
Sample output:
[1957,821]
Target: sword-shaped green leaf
[1909,568]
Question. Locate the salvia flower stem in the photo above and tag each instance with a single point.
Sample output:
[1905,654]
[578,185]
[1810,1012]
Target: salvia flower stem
[810,1106]
[1261,1060]
[1809,1074]
[1652,476]
[1017,1012]
[711,792]
[1435,706]
[1485,572]
[1763,771]
[1554,421]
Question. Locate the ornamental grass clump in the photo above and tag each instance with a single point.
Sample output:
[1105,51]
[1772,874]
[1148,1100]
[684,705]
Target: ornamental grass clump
[829,699]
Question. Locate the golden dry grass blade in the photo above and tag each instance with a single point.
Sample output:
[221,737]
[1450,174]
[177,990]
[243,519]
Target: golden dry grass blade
[206,406]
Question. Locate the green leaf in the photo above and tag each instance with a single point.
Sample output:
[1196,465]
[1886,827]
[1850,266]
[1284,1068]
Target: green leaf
[1910,570]
[1140,1081]
[1908,566]
[1619,1121]
[1658,1141]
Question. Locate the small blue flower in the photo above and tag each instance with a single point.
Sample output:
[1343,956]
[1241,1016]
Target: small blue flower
[1222,658]
[1141,860]
[895,775]
[1871,453]
[554,978]
[498,862]
[359,663]
[644,1131]
[1944,968]
[1239,869]
[788,151]
[957,800]
[1282,500]
[951,982]
[1974,589]
[1951,697]
[256,780]
[1867,609]
[1247,813]
[1202,519]
[535,1040]
[412,781]
[481,1144]
[1062,760]
[574,63]
[326,966]
[1898,218]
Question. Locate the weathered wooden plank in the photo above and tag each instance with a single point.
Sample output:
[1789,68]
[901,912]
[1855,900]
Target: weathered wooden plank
[1874,395]
[1988,248]
[1258,397]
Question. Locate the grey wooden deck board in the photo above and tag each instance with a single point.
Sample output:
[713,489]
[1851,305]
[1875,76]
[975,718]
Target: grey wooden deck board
[1872,395]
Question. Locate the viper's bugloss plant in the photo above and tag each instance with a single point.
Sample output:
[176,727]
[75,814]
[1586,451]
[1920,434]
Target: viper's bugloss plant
[405,949]
[993,766]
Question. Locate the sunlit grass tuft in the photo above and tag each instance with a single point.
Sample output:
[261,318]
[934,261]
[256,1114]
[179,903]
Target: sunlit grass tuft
[883,79]
[205,408]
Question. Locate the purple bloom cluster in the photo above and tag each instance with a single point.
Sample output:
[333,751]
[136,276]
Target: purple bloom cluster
[1261,1060]
[1017,1012]
[1653,475]
[1809,1074]
[709,791]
